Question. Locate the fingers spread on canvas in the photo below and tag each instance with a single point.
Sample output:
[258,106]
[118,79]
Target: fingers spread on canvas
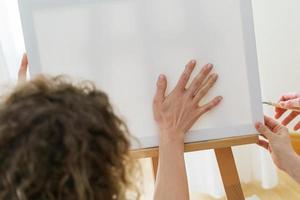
[207,107]
[212,79]
[199,79]
[185,76]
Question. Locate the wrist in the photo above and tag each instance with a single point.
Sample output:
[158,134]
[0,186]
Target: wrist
[295,174]
[171,135]
[291,164]
[172,138]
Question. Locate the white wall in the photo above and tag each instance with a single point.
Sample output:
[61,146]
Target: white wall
[11,39]
[277,24]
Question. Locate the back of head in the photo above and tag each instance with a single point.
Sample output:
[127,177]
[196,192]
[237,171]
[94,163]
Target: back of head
[62,141]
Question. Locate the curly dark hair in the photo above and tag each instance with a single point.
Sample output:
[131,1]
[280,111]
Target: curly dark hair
[59,140]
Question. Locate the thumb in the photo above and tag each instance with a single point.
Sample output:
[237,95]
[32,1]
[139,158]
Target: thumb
[161,89]
[290,103]
[264,130]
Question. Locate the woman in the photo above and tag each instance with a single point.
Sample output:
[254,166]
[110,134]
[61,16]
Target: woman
[64,141]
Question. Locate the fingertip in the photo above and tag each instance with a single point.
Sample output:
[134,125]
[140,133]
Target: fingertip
[193,62]
[218,99]
[161,77]
[215,76]
[258,125]
[161,81]
[268,119]
[209,66]
[284,104]
[161,89]
[24,58]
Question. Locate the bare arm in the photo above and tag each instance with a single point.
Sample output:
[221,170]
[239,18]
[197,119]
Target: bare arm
[171,179]
[294,168]
[175,114]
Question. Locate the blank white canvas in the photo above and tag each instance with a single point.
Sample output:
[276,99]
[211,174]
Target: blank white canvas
[123,45]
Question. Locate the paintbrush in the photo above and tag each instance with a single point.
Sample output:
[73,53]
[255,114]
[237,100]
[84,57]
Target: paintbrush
[277,105]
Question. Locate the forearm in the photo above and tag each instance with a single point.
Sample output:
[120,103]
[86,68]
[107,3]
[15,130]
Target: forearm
[171,180]
[293,167]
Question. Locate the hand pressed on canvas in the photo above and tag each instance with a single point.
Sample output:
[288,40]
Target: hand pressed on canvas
[175,114]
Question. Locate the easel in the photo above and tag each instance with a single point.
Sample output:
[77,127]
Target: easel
[224,157]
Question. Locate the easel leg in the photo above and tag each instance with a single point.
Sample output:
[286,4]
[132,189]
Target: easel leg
[229,174]
[154,166]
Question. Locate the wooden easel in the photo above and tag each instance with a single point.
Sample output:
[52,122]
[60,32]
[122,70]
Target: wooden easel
[224,155]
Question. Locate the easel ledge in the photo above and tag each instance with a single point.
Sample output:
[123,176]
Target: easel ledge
[198,146]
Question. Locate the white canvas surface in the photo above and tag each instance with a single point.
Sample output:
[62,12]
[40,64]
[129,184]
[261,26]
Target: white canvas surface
[123,45]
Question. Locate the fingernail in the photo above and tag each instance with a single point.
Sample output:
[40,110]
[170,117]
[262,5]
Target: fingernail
[258,125]
[209,66]
[193,61]
[161,77]
[282,104]
[218,99]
